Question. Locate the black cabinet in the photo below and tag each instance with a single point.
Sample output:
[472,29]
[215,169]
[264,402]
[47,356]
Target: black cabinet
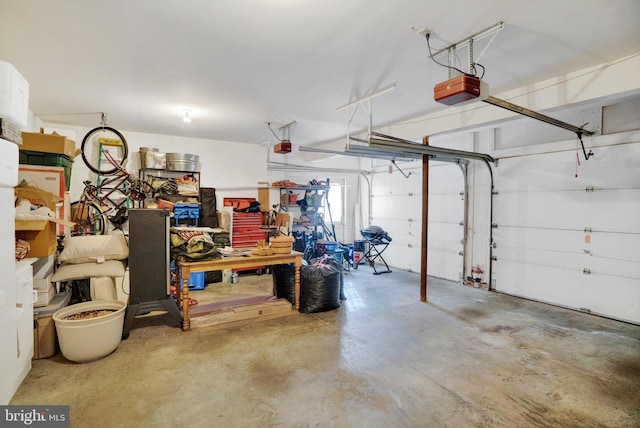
[149,276]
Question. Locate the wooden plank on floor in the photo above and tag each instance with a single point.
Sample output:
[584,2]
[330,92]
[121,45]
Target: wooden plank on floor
[243,313]
[242,323]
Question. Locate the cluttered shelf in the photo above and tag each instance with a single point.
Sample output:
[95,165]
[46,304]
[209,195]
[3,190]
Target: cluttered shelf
[170,187]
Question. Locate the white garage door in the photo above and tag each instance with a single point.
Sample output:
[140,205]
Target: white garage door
[397,208]
[567,240]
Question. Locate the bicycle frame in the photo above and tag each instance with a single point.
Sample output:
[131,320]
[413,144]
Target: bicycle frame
[97,204]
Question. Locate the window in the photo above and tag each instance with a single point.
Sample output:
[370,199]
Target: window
[335,202]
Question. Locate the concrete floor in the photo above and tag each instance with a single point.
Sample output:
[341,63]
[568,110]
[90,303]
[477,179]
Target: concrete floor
[384,359]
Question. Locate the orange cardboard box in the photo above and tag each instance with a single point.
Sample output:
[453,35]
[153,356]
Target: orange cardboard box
[49,143]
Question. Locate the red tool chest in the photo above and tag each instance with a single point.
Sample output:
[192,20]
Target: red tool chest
[245,230]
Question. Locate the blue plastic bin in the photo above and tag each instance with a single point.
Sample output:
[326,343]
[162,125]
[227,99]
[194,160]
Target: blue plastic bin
[196,281]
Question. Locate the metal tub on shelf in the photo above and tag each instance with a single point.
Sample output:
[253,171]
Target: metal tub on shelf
[182,162]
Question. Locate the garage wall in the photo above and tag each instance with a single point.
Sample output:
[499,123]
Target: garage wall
[233,168]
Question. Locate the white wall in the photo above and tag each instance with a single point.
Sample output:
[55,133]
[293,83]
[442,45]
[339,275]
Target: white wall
[234,168]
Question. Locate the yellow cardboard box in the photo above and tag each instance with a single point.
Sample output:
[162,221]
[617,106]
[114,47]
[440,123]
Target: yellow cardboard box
[49,143]
[41,235]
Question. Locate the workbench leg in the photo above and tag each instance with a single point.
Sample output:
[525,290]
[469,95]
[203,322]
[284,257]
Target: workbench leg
[297,264]
[186,323]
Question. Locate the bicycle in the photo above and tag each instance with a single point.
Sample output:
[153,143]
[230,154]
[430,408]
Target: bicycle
[105,203]
[97,141]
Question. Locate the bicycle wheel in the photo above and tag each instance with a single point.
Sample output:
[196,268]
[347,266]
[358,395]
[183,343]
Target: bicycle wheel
[88,218]
[96,141]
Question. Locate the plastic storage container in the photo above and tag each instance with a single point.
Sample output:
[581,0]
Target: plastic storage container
[196,281]
[186,212]
[28,157]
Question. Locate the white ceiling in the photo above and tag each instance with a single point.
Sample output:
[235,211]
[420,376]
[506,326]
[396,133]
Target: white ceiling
[240,63]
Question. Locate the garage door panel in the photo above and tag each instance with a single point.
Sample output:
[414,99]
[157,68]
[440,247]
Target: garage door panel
[571,241]
[545,283]
[397,206]
[446,208]
[596,293]
[601,294]
[615,210]
[611,210]
[444,264]
[569,260]
[612,246]
[610,167]
[445,232]
[509,238]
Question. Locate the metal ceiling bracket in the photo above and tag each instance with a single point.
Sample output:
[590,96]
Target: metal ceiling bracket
[286,130]
[579,130]
[365,103]
[491,31]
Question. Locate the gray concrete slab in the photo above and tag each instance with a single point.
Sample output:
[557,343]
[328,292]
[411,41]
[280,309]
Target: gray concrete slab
[467,357]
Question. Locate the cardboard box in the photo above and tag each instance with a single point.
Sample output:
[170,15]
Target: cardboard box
[44,331]
[37,196]
[41,235]
[50,179]
[50,143]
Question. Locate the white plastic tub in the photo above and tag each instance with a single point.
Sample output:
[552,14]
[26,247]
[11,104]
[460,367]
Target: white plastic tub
[90,339]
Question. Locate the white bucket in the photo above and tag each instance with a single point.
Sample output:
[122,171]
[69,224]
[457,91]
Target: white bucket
[90,339]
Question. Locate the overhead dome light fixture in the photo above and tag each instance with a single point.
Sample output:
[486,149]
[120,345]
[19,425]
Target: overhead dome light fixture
[186,118]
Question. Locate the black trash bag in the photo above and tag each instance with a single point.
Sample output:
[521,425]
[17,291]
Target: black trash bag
[319,288]
[334,263]
[284,278]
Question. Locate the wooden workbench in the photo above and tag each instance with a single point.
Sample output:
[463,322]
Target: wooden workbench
[186,268]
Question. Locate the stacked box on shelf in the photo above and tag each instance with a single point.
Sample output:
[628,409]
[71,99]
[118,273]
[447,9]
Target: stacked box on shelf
[186,212]
[49,143]
[28,157]
[44,330]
